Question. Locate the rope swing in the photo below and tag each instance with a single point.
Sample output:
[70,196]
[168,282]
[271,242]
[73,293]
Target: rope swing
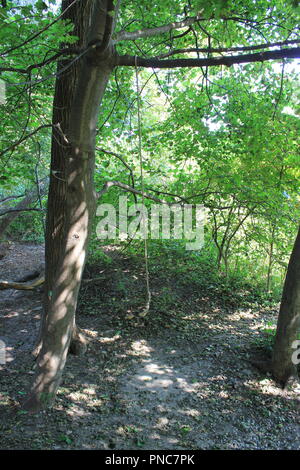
[138,93]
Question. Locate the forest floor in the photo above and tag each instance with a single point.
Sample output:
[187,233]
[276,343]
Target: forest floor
[180,378]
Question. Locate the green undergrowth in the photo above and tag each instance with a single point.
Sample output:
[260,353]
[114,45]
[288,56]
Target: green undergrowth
[179,281]
[28,227]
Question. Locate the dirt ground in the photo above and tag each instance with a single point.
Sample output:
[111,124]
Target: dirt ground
[178,379]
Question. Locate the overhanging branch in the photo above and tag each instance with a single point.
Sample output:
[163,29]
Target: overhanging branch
[64,52]
[20,141]
[130,61]
[26,209]
[127,188]
[219,50]
[150,32]
[108,152]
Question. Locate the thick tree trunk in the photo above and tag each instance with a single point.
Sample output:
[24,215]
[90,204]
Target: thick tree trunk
[57,224]
[288,324]
[72,201]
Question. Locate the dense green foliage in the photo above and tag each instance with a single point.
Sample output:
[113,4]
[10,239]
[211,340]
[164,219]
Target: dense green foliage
[227,138]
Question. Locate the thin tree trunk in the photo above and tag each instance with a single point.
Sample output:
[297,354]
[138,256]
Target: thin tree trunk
[72,201]
[288,324]
[270,261]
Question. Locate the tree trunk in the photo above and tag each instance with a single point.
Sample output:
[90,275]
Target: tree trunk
[288,324]
[270,261]
[71,202]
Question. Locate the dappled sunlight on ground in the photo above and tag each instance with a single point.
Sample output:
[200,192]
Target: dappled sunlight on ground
[179,379]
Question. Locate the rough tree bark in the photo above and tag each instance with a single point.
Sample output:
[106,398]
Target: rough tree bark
[71,200]
[288,325]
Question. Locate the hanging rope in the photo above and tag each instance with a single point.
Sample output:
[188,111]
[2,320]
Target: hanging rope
[147,306]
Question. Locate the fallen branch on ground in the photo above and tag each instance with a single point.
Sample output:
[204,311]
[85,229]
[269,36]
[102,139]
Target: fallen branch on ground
[22,285]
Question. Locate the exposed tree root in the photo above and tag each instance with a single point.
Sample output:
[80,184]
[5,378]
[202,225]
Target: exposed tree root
[266,367]
[22,285]
[78,345]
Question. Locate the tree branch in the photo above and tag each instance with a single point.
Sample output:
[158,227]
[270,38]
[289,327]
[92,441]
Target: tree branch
[100,38]
[227,49]
[63,52]
[20,141]
[130,61]
[108,152]
[27,209]
[8,198]
[22,285]
[125,187]
[149,32]
[35,35]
